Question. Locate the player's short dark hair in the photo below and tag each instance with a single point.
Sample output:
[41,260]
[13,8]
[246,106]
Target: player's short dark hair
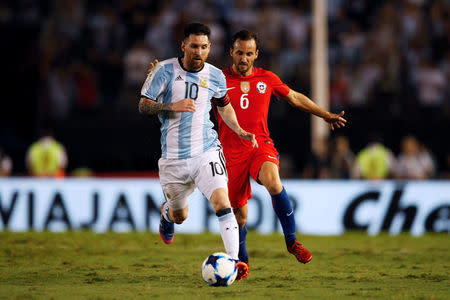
[245,35]
[197,29]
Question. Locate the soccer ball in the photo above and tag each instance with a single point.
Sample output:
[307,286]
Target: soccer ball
[219,269]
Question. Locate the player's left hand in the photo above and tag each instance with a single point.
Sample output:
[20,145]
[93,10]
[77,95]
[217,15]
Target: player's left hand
[152,66]
[249,137]
[335,120]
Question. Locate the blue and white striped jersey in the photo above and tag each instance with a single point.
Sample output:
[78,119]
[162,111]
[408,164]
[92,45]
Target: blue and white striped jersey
[185,134]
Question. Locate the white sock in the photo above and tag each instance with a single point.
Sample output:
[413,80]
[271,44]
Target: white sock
[165,213]
[230,233]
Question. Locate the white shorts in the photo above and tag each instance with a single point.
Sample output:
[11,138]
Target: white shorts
[179,177]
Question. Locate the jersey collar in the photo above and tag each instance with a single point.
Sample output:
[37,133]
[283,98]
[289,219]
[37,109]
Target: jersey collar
[232,72]
[181,65]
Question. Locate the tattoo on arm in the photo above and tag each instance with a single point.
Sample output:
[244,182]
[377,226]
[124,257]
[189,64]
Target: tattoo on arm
[150,107]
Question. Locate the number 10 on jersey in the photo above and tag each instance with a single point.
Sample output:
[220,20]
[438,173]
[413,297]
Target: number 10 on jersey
[191,91]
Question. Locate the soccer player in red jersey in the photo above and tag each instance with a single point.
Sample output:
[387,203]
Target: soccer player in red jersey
[250,90]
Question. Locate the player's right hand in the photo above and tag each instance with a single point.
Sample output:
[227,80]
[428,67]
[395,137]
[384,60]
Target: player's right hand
[184,105]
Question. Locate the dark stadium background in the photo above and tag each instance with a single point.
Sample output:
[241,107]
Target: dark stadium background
[103,130]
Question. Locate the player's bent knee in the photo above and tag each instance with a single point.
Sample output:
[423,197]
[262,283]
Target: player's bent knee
[272,184]
[274,188]
[219,199]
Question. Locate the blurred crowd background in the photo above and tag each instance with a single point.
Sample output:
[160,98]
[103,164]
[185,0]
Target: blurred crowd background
[73,69]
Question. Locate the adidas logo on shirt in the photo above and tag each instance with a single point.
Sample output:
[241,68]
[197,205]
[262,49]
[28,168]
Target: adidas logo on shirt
[178,78]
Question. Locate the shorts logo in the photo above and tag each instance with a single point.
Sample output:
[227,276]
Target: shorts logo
[273,157]
[245,86]
[261,87]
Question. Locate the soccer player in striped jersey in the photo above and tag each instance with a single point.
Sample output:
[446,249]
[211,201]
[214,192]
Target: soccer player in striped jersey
[180,91]
[250,92]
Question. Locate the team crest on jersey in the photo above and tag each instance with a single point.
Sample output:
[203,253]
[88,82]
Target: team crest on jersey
[245,86]
[203,82]
[261,87]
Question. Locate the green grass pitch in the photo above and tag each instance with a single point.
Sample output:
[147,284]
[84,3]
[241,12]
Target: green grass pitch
[86,265]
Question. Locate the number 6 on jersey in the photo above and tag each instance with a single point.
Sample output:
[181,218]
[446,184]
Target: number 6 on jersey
[244,101]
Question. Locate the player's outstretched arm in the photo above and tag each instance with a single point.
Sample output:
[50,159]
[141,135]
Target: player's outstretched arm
[151,107]
[302,102]
[229,117]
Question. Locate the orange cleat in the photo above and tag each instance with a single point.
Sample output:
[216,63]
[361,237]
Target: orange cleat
[301,253]
[242,270]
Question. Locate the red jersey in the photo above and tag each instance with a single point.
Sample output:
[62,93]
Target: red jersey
[250,98]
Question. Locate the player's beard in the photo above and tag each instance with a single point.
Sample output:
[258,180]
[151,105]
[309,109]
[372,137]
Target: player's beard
[243,69]
[196,65]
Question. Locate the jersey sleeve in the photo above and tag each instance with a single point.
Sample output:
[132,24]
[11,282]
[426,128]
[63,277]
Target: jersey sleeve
[155,84]
[221,90]
[280,89]
[221,102]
